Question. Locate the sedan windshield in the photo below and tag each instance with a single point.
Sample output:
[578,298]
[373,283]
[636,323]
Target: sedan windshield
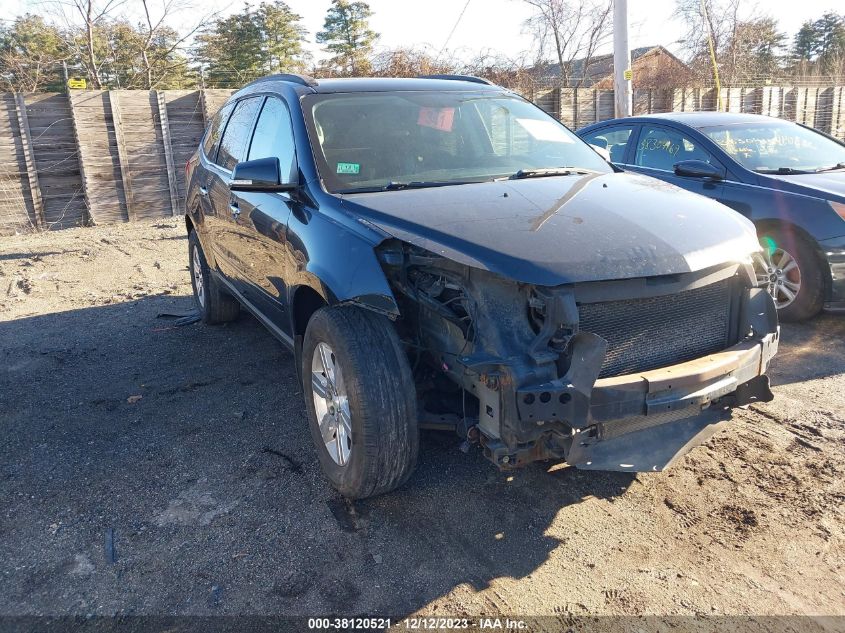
[373,141]
[778,147]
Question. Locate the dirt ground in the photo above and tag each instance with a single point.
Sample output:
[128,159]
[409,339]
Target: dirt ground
[151,468]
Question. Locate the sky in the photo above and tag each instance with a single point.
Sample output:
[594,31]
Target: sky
[487,25]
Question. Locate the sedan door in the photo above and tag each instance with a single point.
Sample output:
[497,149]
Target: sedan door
[659,147]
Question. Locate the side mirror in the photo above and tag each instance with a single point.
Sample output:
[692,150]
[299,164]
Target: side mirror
[262,174]
[698,169]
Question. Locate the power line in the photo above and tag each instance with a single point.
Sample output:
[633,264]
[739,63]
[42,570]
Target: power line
[452,32]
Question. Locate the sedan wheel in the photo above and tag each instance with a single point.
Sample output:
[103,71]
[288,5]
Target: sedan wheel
[778,272]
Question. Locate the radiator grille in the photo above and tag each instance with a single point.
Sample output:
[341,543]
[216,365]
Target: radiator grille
[645,334]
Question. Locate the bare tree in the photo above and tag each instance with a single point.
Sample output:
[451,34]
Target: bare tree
[573,30]
[160,41]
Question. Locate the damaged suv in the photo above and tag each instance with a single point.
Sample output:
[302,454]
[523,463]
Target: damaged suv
[440,253]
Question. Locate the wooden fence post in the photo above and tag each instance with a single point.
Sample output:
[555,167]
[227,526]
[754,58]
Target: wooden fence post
[29,161]
[168,151]
[122,158]
[89,220]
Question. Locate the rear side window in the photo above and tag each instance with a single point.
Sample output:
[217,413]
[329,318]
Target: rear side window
[235,138]
[209,144]
[613,139]
[273,136]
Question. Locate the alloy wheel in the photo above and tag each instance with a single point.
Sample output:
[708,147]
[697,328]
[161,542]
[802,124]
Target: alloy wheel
[198,287]
[331,404]
[778,272]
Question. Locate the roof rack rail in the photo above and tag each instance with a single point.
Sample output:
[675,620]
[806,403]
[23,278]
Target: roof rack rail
[470,78]
[303,80]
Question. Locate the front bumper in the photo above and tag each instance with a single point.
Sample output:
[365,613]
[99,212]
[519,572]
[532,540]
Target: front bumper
[644,420]
[834,252]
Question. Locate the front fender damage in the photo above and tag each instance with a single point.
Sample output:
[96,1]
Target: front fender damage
[525,378]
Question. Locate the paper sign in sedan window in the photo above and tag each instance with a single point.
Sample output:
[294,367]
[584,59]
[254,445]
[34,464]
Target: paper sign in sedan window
[545,130]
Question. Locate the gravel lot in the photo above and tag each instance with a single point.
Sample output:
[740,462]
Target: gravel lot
[187,446]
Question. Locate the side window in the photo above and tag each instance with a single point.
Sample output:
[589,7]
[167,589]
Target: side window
[613,139]
[660,148]
[274,137]
[235,138]
[209,143]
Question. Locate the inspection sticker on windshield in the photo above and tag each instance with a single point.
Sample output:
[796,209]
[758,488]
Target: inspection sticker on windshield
[348,168]
[545,130]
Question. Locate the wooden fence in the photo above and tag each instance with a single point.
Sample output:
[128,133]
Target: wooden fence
[94,157]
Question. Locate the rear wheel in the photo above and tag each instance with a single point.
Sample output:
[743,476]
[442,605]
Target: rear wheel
[789,269]
[214,305]
[361,401]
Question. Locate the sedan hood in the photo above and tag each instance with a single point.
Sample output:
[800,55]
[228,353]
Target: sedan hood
[564,229]
[823,185]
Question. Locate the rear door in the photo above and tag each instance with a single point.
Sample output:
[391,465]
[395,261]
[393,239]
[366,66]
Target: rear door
[228,234]
[206,170]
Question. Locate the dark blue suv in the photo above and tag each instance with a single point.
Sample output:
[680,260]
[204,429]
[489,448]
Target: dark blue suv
[440,253]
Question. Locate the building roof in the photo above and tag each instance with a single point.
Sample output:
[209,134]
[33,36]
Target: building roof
[601,66]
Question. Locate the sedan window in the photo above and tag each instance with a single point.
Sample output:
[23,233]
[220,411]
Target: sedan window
[660,148]
[613,139]
[778,146]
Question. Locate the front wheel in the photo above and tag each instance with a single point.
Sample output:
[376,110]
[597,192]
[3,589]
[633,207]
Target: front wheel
[789,269]
[361,401]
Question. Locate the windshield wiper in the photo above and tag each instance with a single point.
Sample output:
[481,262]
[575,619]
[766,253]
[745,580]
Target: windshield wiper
[783,171]
[549,171]
[834,168]
[394,185]
[419,184]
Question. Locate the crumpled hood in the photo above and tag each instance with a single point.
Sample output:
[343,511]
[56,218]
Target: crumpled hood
[565,229]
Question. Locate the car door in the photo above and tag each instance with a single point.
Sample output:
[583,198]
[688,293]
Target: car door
[659,147]
[615,139]
[206,170]
[264,216]
[228,231]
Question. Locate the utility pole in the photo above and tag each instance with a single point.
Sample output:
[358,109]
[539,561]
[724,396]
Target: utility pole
[621,60]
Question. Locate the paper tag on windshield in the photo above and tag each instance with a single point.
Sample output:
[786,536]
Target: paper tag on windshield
[545,130]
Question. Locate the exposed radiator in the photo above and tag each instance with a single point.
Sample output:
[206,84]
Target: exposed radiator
[645,334]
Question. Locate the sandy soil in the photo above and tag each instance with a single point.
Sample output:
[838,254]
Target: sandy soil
[188,447]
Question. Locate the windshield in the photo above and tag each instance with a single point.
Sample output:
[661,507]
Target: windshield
[370,140]
[773,146]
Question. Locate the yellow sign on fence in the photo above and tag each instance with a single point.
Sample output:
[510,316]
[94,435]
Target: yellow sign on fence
[77,83]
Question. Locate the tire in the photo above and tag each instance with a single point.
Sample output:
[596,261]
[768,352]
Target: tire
[372,411]
[782,279]
[213,303]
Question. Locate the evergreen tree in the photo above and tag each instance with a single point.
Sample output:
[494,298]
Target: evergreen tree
[347,35]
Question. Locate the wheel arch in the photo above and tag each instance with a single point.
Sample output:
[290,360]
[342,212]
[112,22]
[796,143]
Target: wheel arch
[782,225]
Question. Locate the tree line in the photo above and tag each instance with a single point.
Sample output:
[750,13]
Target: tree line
[102,42]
